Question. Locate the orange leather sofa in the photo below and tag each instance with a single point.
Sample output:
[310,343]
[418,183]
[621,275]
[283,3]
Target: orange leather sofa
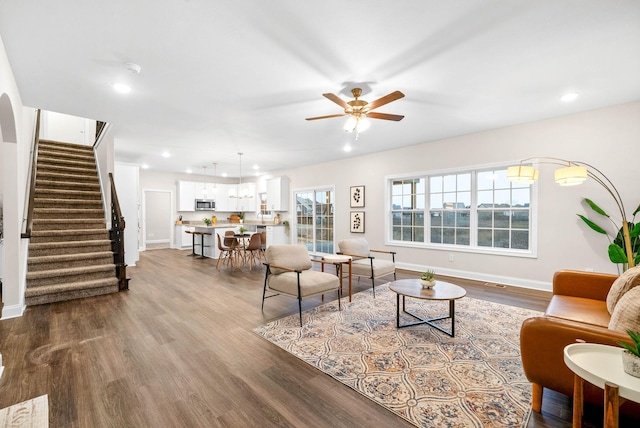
[577,312]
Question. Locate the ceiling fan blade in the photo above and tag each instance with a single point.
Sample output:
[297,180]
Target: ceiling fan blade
[386,99]
[336,99]
[385,116]
[326,117]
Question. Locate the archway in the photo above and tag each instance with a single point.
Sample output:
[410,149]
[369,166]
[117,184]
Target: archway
[9,213]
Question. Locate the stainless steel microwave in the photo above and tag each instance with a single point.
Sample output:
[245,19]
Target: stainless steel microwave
[205,205]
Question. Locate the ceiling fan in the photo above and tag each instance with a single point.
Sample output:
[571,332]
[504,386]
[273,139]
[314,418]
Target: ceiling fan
[359,110]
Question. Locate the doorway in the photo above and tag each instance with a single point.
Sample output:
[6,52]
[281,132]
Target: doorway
[157,219]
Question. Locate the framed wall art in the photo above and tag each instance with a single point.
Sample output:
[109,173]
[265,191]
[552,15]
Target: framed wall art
[357,196]
[357,222]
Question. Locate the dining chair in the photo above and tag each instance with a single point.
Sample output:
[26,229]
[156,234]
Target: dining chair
[228,251]
[263,244]
[253,250]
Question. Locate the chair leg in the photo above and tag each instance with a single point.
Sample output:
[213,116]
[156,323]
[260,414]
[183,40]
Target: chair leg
[300,309]
[264,289]
[536,397]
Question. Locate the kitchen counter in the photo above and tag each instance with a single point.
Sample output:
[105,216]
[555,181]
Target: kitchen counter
[276,234]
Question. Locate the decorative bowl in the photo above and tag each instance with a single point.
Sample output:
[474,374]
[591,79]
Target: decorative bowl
[427,284]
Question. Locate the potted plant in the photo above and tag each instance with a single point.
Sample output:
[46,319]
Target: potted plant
[427,278]
[631,354]
[207,221]
[243,230]
[623,242]
[241,216]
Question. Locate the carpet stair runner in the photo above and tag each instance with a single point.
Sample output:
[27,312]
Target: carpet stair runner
[70,252]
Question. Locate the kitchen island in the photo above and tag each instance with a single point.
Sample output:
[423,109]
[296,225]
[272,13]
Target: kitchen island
[276,234]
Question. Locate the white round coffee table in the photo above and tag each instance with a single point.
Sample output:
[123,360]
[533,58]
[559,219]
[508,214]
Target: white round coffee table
[441,291]
[600,365]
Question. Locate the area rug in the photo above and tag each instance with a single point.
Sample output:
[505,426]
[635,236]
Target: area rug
[428,378]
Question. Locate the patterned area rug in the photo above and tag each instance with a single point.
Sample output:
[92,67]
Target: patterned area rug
[424,376]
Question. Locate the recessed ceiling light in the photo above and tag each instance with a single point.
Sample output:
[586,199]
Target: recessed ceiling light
[256,167]
[166,154]
[189,171]
[145,166]
[347,148]
[568,97]
[122,88]
[224,174]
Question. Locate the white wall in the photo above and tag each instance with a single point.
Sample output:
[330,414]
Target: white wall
[606,138]
[67,128]
[127,186]
[16,122]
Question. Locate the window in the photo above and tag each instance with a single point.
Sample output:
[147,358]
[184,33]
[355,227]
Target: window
[408,202]
[503,211]
[480,210]
[450,208]
[314,220]
[263,211]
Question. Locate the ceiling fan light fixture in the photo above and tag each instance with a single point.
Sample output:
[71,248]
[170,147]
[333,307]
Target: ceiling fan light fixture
[358,123]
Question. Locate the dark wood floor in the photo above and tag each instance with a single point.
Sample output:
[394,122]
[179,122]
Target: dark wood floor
[177,350]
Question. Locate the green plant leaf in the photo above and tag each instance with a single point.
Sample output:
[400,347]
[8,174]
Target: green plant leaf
[617,254]
[592,225]
[595,207]
[635,231]
[637,210]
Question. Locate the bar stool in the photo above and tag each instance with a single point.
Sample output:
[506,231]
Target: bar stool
[202,246]
[193,242]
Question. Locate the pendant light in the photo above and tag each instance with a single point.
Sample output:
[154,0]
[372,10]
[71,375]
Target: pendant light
[241,193]
[215,174]
[204,183]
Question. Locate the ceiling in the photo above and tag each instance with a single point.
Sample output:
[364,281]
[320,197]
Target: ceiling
[222,77]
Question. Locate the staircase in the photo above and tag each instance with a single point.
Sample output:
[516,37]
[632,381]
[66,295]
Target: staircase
[70,253]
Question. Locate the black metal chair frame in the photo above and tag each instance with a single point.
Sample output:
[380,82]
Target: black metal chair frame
[360,257]
[299,272]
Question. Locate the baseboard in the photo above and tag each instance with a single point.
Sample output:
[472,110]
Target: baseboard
[489,278]
[12,311]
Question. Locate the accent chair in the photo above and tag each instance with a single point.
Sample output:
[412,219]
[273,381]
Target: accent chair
[364,264]
[289,272]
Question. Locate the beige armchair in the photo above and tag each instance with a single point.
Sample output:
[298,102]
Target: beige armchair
[364,264]
[289,273]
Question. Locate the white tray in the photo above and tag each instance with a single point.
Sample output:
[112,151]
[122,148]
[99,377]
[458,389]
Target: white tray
[598,364]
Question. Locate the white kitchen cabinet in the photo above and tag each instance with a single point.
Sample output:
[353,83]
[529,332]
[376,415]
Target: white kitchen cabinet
[276,235]
[278,194]
[182,240]
[222,197]
[186,196]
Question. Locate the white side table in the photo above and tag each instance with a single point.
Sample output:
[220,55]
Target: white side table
[339,260]
[600,365]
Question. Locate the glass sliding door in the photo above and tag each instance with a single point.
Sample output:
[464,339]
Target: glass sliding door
[314,220]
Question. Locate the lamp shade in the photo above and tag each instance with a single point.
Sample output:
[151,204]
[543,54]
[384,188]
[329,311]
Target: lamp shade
[350,124]
[522,174]
[570,175]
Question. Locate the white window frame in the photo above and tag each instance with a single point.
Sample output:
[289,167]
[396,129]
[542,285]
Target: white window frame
[532,252]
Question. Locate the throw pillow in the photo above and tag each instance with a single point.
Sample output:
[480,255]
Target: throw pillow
[626,315]
[625,282]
